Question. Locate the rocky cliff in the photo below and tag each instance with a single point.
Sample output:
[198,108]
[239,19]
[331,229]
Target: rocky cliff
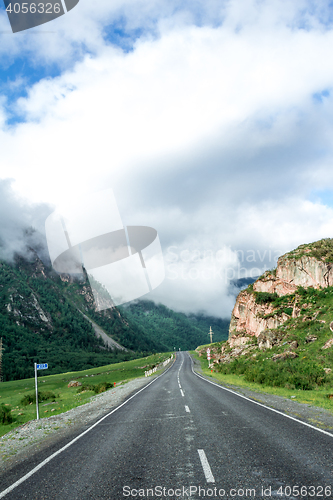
[260,307]
[281,327]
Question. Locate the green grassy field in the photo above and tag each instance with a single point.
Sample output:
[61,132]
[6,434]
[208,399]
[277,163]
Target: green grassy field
[318,397]
[12,393]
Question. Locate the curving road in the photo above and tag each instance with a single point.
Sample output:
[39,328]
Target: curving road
[182,436]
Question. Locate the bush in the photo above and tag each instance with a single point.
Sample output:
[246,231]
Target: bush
[42,396]
[102,387]
[289,373]
[264,297]
[5,415]
[97,388]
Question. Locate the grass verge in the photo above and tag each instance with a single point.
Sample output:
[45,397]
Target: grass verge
[14,394]
[319,397]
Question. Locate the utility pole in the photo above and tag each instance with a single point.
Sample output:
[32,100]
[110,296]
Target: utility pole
[211,333]
[1,349]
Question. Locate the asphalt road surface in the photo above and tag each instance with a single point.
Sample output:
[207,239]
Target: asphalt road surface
[182,437]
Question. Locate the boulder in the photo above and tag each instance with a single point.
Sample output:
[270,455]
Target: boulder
[310,338]
[285,355]
[74,383]
[328,344]
[268,338]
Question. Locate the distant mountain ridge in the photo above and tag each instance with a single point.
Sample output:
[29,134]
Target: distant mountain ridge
[41,320]
[51,318]
[172,329]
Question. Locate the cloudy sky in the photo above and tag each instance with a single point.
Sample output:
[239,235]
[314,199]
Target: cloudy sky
[211,120]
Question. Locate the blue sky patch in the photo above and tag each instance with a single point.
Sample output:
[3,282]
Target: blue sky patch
[17,78]
[321,96]
[117,34]
[324,196]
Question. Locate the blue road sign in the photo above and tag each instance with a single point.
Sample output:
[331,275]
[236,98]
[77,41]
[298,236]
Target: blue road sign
[42,366]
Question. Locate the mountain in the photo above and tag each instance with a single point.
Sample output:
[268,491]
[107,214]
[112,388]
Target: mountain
[281,329]
[172,329]
[51,319]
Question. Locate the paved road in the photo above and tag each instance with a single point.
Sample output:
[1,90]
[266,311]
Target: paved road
[177,435]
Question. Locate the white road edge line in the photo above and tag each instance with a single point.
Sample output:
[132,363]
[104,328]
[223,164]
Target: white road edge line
[187,409]
[206,467]
[47,460]
[181,394]
[260,404]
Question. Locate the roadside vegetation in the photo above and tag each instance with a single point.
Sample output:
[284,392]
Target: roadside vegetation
[299,363]
[321,250]
[18,400]
[321,396]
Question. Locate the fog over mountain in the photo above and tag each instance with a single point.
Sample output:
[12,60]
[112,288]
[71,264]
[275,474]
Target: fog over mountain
[211,121]
[21,224]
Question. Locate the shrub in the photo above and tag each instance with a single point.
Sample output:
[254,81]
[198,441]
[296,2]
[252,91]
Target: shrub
[85,387]
[42,396]
[102,387]
[5,415]
[264,297]
[97,388]
[289,373]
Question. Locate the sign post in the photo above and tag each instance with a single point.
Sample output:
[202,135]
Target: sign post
[38,367]
[208,354]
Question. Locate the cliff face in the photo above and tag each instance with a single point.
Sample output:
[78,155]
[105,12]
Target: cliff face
[307,266]
[248,317]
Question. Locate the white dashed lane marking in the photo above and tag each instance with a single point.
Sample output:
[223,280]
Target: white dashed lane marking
[187,409]
[181,392]
[206,467]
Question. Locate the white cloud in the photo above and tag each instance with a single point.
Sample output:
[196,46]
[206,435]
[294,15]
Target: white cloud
[208,133]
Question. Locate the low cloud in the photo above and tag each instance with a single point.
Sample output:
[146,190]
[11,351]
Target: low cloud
[21,224]
[213,125]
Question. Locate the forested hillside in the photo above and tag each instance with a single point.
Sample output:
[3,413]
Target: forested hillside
[40,321]
[172,329]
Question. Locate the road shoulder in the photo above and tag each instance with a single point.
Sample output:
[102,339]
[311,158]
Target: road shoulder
[35,436]
[318,417]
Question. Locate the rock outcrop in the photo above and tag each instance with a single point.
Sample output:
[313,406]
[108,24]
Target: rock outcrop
[251,318]
[307,266]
